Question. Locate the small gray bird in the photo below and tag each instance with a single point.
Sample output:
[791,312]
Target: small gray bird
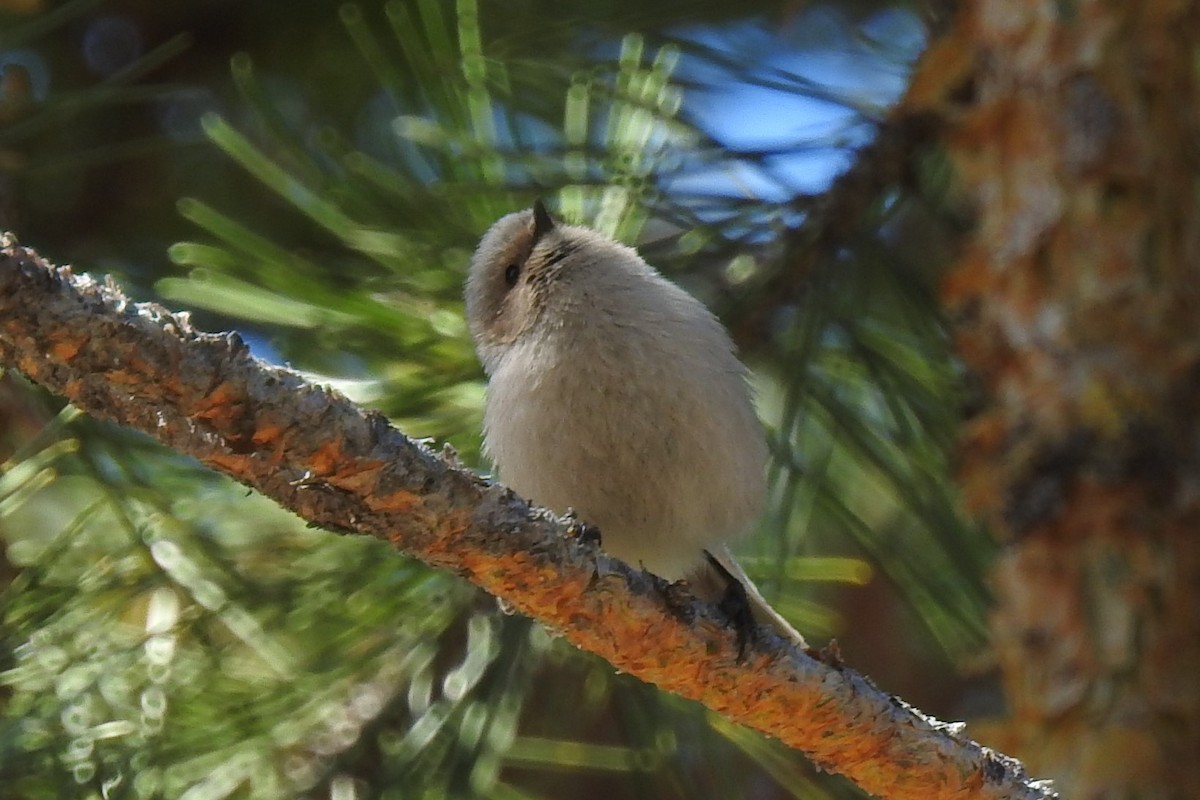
[613,392]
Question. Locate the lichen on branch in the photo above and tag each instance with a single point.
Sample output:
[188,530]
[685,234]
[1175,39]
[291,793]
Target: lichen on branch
[347,469]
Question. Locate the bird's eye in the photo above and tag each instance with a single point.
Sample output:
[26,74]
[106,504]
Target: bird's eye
[511,274]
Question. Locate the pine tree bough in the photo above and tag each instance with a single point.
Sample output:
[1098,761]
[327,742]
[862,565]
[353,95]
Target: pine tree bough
[346,469]
[834,219]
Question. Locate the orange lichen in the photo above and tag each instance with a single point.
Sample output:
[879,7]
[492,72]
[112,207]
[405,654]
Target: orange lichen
[219,401]
[266,435]
[65,349]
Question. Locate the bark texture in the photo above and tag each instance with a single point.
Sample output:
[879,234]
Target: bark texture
[1074,126]
[342,468]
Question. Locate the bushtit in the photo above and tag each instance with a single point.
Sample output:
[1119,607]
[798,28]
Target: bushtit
[614,393]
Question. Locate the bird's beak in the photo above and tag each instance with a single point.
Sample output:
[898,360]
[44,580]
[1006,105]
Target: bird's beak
[543,223]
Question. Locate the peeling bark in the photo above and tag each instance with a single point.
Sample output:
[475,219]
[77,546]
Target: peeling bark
[346,469]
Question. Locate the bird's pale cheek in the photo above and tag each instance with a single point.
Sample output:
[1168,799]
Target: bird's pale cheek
[502,330]
[515,317]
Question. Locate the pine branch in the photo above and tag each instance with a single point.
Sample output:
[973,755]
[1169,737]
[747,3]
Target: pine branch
[837,218]
[347,469]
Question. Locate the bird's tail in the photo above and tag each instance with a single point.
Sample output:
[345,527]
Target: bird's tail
[710,584]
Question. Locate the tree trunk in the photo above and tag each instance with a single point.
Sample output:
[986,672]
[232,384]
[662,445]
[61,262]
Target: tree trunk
[1075,128]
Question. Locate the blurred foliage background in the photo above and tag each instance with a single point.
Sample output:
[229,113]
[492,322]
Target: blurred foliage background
[315,175]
